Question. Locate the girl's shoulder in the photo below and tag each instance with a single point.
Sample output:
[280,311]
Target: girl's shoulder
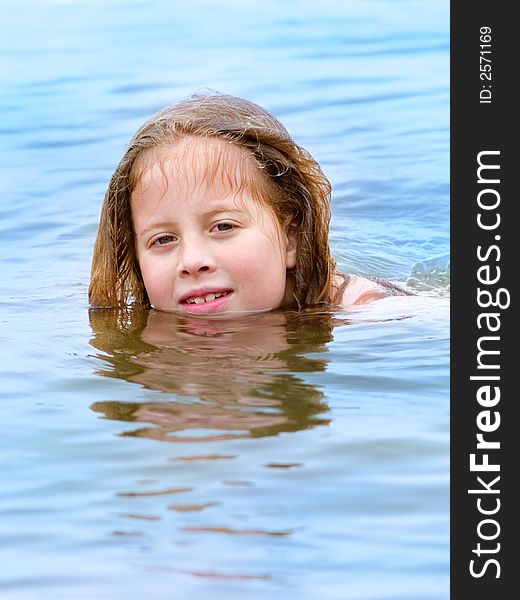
[354,290]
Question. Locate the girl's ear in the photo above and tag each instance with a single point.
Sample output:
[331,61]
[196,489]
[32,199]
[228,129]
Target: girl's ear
[291,248]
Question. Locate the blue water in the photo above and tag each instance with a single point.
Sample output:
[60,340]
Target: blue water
[280,457]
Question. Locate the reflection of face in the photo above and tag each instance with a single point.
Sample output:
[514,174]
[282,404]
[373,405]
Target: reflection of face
[225,379]
[259,336]
[204,245]
[201,357]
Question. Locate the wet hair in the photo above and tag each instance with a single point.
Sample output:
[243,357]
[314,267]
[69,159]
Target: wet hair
[295,189]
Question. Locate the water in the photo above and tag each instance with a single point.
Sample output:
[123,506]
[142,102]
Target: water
[279,457]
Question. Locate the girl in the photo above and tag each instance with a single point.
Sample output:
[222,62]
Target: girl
[214,209]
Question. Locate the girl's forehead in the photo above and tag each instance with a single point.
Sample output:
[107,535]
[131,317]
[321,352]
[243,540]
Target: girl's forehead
[194,162]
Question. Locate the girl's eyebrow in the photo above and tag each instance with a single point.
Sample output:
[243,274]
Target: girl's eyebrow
[153,227]
[210,213]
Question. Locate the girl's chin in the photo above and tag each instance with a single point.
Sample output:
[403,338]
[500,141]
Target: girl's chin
[226,314]
[209,312]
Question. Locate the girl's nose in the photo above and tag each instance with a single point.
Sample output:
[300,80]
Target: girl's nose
[194,258]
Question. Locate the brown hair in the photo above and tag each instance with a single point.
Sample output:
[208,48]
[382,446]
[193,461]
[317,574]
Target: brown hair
[302,198]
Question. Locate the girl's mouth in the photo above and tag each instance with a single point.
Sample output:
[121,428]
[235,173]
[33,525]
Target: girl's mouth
[211,302]
[207,298]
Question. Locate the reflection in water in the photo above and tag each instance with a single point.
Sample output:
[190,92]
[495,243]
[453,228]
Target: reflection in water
[231,379]
[176,490]
[231,531]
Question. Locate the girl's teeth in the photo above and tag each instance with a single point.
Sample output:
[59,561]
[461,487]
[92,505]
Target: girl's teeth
[207,298]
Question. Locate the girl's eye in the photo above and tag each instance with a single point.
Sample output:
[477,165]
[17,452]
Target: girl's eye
[163,240]
[224,226]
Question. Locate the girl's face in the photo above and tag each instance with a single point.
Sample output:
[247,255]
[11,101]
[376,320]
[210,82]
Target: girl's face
[205,246]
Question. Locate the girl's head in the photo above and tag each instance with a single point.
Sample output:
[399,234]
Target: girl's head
[214,197]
